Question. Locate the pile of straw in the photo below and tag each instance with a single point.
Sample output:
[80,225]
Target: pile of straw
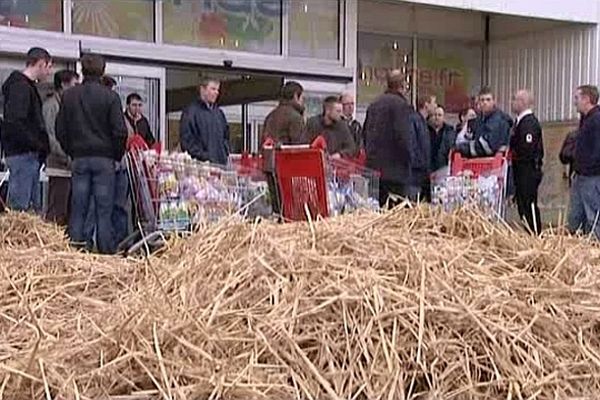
[408,305]
[26,230]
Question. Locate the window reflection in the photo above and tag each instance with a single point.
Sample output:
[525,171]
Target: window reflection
[245,25]
[35,14]
[124,19]
[314,28]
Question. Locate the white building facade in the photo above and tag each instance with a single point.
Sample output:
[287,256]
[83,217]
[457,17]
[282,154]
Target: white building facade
[450,48]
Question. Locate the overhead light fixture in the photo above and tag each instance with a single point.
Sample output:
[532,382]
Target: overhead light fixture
[305,7]
[395,45]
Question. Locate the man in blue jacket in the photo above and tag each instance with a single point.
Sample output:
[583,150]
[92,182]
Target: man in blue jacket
[584,211]
[491,129]
[204,130]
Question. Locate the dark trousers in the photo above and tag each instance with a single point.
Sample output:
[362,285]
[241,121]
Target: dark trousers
[59,195]
[121,208]
[93,177]
[395,189]
[527,179]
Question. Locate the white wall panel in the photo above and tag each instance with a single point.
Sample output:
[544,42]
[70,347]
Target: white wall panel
[550,63]
[563,10]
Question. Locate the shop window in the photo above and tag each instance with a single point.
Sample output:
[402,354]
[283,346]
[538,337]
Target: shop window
[314,28]
[34,14]
[122,19]
[450,70]
[244,25]
[377,56]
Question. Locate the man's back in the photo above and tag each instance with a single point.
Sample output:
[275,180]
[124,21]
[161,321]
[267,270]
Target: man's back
[285,123]
[387,133]
[91,123]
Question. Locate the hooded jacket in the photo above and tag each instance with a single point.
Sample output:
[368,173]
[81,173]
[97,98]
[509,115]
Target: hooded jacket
[23,129]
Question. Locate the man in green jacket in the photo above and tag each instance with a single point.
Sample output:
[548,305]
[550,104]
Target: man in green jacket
[285,124]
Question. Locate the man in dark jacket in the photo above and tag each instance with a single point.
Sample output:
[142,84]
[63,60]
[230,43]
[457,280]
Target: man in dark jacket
[285,124]
[491,129]
[348,106]
[334,130]
[204,130]
[135,120]
[421,149]
[388,139]
[442,140]
[91,129]
[24,138]
[527,146]
[584,211]
[58,163]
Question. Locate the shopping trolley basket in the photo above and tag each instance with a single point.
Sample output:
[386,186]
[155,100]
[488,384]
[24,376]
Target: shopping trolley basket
[301,182]
[475,181]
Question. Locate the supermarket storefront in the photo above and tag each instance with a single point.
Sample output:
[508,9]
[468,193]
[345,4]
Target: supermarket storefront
[161,48]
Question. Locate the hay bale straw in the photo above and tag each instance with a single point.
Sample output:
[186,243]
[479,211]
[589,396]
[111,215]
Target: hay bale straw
[411,304]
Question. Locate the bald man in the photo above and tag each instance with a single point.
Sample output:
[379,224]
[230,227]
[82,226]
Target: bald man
[389,142]
[527,148]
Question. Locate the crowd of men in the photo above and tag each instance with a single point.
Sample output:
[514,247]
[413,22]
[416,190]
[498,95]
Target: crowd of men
[81,133]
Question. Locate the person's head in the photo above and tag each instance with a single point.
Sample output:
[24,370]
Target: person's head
[586,98]
[332,108]
[347,105]
[487,101]
[427,105]
[521,101]
[396,81]
[92,66]
[209,90]
[466,115]
[293,92]
[65,79]
[438,118]
[38,64]
[108,81]
[134,104]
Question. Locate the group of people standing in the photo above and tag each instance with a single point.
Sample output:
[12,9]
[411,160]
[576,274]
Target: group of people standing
[80,132]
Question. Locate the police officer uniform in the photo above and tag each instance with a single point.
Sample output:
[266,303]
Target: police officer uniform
[527,148]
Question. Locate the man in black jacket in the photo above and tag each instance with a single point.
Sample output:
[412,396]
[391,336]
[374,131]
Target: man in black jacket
[24,138]
[334,130]
[204,130]
[136,122]
[91,129]
[584,211]
[527,146]
[388,139]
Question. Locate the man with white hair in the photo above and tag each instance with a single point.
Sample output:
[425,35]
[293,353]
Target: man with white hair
[527,148]
[348,106]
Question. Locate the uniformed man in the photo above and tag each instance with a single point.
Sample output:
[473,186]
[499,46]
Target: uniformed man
[491,129]
[527,148]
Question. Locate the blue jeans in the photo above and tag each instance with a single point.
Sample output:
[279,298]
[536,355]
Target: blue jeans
[93,177]
[584,209]
[120,216]
[24,191]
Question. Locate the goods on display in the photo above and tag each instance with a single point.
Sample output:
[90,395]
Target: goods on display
[409,304]
[483,192]
[350,188]
[191,193]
